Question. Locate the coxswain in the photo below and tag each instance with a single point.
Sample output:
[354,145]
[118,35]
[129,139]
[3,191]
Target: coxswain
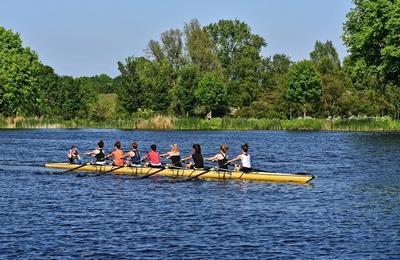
[174,156]
[153,157]
[244,157]
[117,154]
[73,155]
[98,153]
[221,157]
[196,158]
[133,155]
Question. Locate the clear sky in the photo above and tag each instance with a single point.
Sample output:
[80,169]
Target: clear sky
[89,37]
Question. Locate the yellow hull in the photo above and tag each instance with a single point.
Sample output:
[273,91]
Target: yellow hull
[187,173]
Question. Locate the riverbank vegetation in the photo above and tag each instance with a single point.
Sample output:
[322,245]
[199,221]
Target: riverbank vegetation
[226,123]
[218,68]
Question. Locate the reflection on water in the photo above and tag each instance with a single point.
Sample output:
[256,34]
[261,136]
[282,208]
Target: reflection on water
[350,211]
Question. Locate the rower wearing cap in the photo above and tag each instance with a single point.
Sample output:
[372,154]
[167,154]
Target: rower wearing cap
[245,158]
[152,157]
[174,156]
[221,157]
[196,157]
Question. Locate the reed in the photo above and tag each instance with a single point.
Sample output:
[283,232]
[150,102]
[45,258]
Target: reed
[160,122]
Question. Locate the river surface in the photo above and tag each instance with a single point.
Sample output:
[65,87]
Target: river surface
[351,210]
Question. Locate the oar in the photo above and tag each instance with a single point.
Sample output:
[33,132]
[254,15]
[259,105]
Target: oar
[198,175]
[163,168]
[73,169]
[151,174]
[101,173]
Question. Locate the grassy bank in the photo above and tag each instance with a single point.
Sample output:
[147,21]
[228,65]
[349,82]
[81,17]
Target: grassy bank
[227,123]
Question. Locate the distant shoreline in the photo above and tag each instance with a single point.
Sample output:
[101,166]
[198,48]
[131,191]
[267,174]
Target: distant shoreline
[372,124]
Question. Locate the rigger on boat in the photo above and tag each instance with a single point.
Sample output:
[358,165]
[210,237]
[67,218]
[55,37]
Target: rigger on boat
[194,169]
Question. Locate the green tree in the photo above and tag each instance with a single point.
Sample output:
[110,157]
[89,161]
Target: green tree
[200,47]
[230,37]
[210,94]
[303,85]
[325,58]
[372,34]
[155,51]
[184,100]
[158,81]
[50,92]
[173,47]
[393,97]
[332,90]
[19,71]
[130,92]
[238,50]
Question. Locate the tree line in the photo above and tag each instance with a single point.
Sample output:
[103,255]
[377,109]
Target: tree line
[219,67]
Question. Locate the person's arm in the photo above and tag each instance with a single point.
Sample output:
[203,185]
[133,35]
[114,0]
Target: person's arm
[110,155]
[92,153]
[214,158]
[167,155]
[187,158]
[128,154]
[145,158]
[239,157]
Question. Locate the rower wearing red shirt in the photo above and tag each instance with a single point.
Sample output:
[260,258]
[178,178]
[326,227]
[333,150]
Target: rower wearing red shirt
[153,157]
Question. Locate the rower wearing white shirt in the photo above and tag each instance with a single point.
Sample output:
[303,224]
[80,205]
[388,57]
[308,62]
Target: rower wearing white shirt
[245,159]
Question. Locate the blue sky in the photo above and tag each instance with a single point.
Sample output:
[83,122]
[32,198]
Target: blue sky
[89,37]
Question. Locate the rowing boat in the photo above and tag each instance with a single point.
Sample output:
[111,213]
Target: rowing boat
[188,173]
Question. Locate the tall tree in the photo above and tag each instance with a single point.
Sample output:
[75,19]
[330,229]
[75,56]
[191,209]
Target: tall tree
[231,37]
[303,85]
[325,58]
[200,47]
[131,90]
[19,75]
[210,94]
[154,50]
[184,100]
[173,46]
[238,50]
[372,34]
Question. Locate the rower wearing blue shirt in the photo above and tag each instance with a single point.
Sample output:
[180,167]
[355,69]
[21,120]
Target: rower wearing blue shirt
[133,155]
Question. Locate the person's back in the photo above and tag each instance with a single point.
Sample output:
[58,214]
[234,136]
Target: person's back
[153,157]
[198,161]
[135,158]
[175,156]
[118,154]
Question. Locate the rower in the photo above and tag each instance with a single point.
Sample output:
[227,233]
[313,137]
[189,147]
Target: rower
[196,157]
[221,157]
[152,157]
[117,154]
[174,156]
[133,155]
[245,159]
[73,155]
[98,153]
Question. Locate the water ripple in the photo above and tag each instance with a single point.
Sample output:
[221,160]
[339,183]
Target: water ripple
[350,211]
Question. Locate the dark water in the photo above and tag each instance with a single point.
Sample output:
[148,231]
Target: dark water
[351,211]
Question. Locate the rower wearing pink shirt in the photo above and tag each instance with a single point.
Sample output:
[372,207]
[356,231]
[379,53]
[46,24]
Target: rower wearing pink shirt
[152,157]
